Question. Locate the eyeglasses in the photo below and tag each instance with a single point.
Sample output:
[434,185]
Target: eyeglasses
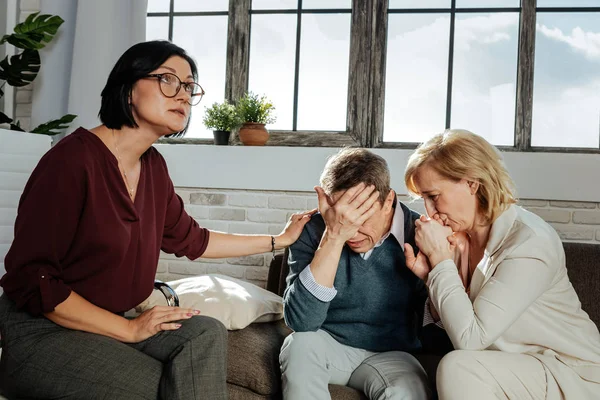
[170,85]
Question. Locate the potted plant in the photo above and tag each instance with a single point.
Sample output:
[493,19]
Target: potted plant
[255,112]
[222,118]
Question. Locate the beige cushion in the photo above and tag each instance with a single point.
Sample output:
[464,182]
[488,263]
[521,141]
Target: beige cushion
[234,302]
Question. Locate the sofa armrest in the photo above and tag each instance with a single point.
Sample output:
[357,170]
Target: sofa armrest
[168,292]
[278,272]
[274,274]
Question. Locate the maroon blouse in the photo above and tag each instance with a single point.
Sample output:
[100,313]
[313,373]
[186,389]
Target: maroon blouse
[77,229]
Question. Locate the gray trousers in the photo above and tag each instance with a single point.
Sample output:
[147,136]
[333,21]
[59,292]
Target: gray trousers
[43,360]
[312,360]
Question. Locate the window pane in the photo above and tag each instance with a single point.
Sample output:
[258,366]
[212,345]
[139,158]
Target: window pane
[485,75]
[157,28]
[416,76]
[204,5]
[274,4]
[568,3]
[487,3]
[205,39]
[272,63]
[158,6]
[447,3]
[323,92]
[419,4]
[566,91]
[312,4]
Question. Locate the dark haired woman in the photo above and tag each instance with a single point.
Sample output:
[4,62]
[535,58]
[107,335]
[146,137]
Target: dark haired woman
[94,215]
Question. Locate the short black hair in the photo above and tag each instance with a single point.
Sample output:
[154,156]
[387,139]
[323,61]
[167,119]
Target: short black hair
[137,62]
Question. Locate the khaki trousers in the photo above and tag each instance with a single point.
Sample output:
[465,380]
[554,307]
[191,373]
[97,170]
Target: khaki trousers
[487,374]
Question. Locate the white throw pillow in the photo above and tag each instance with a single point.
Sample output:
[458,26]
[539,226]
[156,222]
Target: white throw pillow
[232,301]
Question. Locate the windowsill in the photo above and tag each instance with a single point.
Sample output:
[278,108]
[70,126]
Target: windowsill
[549,176]
[282,138]
[338,139]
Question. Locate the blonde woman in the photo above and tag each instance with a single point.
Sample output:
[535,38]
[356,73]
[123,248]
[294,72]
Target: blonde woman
[518,328]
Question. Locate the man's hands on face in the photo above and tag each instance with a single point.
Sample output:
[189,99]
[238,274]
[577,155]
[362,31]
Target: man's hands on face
[346,215]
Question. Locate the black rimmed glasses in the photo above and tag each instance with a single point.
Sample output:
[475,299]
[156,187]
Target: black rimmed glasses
[170,85]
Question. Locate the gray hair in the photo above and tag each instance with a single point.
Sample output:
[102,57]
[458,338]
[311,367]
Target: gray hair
[351,166]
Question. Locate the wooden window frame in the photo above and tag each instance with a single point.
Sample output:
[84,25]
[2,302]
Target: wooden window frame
[367,69]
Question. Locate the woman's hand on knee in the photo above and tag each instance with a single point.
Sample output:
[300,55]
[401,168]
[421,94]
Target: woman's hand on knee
[158,318]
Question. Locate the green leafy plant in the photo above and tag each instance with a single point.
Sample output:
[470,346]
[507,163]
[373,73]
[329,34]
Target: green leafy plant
[21,69]
[221,117]
[254,108]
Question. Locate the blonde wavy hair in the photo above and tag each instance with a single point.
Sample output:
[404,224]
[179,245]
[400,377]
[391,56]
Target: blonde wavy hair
[459,154]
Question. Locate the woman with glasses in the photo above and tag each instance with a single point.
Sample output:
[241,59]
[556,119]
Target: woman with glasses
[92,220]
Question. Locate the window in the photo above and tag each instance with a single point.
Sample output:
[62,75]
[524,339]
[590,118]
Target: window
[451,66]
[299,58]
[416,76]
[273,65]
[521,73]
[566,91]
[200,27]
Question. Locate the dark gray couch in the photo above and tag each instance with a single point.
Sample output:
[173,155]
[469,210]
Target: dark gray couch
[253,370]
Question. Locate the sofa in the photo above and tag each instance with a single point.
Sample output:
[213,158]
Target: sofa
[253,359]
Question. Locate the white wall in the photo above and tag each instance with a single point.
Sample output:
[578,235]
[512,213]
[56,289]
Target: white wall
[240,189]
[551,176]
[19,154]
[51,92]
[75,66]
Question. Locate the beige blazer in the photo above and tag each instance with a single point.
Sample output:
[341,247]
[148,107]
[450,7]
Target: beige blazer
[521,301]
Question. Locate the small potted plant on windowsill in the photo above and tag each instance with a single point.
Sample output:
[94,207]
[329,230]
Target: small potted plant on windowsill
[222,118]
[255,112]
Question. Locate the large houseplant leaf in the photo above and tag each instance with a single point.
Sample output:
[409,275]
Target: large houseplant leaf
[50,128]
[16,127]
[35,32]
[20,70]
[4,119]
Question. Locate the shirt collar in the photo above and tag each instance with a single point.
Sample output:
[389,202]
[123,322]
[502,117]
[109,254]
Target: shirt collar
[397,228]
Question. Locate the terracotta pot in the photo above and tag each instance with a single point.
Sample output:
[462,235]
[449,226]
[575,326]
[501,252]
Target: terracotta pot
[253,134]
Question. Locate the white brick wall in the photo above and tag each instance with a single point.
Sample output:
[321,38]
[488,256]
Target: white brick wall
[235,211]
[266,212]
